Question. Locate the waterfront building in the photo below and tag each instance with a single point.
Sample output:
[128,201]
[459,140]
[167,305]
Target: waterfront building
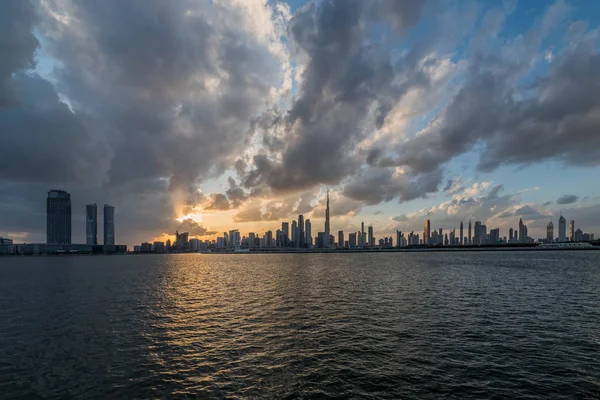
[91,224]
[562,229]
[550,232]
[109,225]
[58,217]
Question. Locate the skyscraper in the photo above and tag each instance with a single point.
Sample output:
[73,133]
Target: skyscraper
[294,232]
[327,226]
[300,236]
[285,227]
[308,232]
[572,231]
[91,224]
[426,232]
[371,237]
[550,232]
[477,238]
[58,217]
[109,225]
[470,237]
[461,234]
[522,228]
[562,229]
[340,238]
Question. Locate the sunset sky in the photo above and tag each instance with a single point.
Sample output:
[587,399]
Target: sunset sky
[206,116]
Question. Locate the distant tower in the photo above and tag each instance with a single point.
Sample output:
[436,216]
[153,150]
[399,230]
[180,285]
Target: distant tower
[550,232]
[285,227]
[522,235]
[327,225]
[470,237]
[562,229]
[308,233]
[300,235]
[91,224]
[362,234]
[461,234]
[109,225]
[58,217]
[426,232]
[371,237]
[572,231]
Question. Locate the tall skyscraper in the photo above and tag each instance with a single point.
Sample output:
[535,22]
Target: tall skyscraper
[285,227]
[109,225]
[362,234]
[91,224]
[470,237]
[572,231]
[371,237]
[550,232]
[562,229]
[340,238]
[327,226]
[522,228]
[300,238]
[461,238]
[294,232]
[308,232]
[426,232]
[477,237]
[58,217]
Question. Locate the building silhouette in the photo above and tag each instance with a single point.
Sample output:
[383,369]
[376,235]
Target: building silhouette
[327,221]
[300,236]
[572,231]
[58,217]
[461,238]
[470,237]
[562,229]
[109,225]
[91,224]
[371,237]
[308,233]
[550,232]
[426,232]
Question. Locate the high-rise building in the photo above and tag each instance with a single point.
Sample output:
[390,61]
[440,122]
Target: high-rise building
[321,241]
[572,231]
[522,231]
[109,225]
[294,233]
[300,237]
[285,227]
[470,237]
[340,238]
[327,221]
[91,224]
[477,239]
[371,237]
[308,233]
[362,234]
[510,234]
[562,229]
[461,234]
[426,231]
[58,217]
[352,239]
[494,236]
[550,232]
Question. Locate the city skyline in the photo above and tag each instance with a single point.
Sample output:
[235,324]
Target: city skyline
[489,117]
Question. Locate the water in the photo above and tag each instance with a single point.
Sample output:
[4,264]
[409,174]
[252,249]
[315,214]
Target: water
[405,325]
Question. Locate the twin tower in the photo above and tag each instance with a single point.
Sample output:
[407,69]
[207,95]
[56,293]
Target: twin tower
[58,223]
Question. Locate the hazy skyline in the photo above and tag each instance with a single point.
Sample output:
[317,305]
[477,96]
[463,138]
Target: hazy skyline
[207,116]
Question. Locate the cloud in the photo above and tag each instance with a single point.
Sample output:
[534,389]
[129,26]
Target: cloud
[400,218]
[547,203]
[194,228]
[567,199]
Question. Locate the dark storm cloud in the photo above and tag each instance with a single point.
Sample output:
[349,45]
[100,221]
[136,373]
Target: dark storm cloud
[375,185]
[343,80]
[567,199]
[547,203]
[156,92]
[17,44]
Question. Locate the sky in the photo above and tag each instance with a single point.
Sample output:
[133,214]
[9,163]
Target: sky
[206,116]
